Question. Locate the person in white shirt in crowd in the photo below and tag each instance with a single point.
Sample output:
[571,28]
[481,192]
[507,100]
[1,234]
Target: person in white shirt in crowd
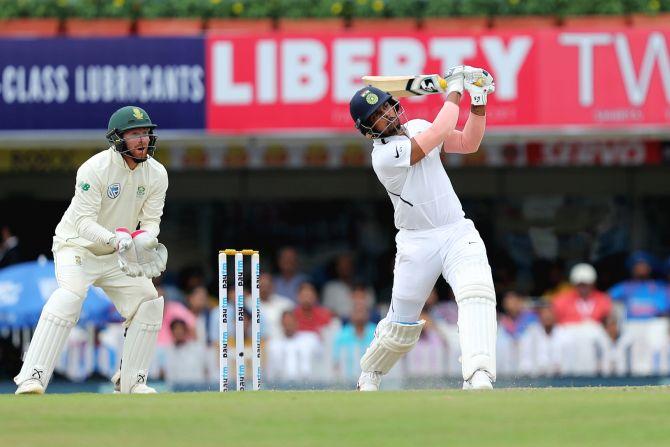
[289,279]
[430,356]
[337,292]
[185,359]
[512,325]
[295,356]
[273,306]
[616,355]
[116,191]
[540,346]
[434,237]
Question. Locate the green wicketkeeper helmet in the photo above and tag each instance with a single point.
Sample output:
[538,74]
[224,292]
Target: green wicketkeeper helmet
[127,118]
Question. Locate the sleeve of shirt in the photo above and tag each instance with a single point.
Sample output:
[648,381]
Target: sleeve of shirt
[152,210]
[394,155]
[86,202]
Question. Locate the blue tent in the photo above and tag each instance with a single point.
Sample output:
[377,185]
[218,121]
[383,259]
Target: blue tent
[24,288]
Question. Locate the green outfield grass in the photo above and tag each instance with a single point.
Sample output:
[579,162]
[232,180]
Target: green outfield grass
[516,417]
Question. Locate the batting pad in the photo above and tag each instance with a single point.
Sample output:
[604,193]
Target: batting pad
[140,343]
[392,340]
[58,317]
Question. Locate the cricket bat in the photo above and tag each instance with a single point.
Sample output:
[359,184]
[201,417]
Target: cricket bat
[403,86]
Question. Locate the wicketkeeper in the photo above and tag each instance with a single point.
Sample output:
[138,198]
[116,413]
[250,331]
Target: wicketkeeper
[108,238]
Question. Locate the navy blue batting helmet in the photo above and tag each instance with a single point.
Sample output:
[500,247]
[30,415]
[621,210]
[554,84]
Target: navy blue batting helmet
[364,103]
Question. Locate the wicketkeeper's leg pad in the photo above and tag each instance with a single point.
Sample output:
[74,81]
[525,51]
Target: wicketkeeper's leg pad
[60,314]
[392,340]
[140,343]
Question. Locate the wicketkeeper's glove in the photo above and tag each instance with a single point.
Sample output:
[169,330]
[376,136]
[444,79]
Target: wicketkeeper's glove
[151,255]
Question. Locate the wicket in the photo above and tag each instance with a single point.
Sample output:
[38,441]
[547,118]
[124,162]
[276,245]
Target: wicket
[239,318]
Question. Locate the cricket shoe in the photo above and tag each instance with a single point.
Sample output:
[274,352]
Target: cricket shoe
[30,386]
[369,381]
[139,388]
[479,381]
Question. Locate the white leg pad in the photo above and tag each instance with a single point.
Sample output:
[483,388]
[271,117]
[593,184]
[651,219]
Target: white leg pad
[392,340]
[473,288]
[60,314]
[140,344]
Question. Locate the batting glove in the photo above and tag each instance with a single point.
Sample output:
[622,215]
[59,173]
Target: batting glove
[454,78]
[479,84]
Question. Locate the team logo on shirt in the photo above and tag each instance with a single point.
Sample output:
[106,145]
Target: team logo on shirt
[84,186]
[140,191]
[114,190]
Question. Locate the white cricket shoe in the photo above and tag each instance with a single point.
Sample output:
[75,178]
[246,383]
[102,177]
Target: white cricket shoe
[369,381]
[479,381]
[139,388]
[30,386]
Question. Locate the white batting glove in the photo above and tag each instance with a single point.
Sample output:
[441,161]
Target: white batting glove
[454,78]
[151,255]
[479,84]
[125,250]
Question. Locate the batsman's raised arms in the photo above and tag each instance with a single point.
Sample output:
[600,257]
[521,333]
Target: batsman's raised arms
[403,86]
[418,85]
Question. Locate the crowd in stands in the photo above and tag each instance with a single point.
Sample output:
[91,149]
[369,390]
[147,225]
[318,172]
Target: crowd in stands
[316,334]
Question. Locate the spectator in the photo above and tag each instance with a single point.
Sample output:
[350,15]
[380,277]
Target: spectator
[360,296]
[584,301]
[337,293]
[289,278]
[309,315]
[197,301]
[429,357]
[540,346]
[294,356]
[352,341]
[642,296]
[442,311]
[185,359]
[517,317]
[616,356]
[9,247]
[273,306]
[173,310]
[512,325]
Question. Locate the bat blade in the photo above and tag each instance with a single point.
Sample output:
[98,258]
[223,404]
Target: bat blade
[403,86]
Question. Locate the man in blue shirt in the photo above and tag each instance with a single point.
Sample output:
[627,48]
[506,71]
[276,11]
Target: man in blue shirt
[642,296]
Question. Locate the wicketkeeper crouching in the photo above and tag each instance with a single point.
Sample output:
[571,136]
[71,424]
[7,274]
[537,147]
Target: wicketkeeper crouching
[117,191]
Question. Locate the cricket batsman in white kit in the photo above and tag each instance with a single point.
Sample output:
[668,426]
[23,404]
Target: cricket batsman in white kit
[434,237]
[117,191]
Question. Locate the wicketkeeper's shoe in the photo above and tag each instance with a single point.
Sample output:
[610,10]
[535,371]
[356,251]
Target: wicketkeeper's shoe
[479,381]
[30,386]
[369,381]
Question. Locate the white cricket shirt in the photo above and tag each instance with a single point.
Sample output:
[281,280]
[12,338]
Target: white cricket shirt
[422,195]
[108,195]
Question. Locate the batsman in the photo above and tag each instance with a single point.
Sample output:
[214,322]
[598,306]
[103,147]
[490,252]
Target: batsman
[108,238]
[434,237]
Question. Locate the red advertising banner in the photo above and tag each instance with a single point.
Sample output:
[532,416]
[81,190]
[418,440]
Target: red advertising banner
[545,79]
